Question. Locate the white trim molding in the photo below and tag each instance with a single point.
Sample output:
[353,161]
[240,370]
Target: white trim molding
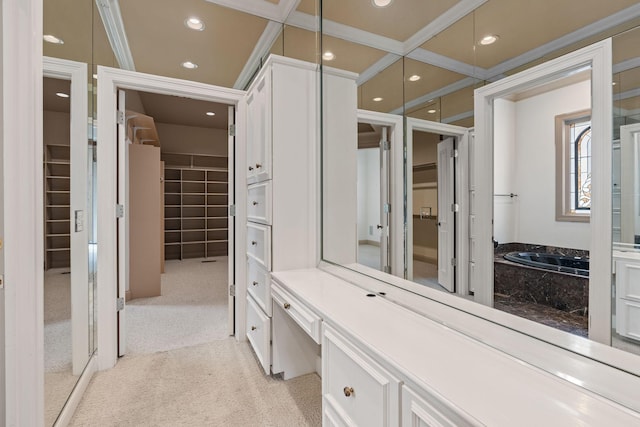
[396,225]
[21,213]
[111,80]
[114,26]
[76,72]
[268,37]
[598,58]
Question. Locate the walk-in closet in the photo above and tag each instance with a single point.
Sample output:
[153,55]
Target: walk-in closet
[178,234]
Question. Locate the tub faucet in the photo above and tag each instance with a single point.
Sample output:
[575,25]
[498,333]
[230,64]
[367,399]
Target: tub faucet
[495,243]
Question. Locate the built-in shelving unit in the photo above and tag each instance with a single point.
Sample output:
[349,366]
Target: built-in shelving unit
[195,205]
[57,194]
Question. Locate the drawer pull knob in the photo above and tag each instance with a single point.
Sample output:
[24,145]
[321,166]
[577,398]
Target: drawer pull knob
[253,328]
[254,203]
[287,306]
[250,168]
[348,391]
[258,165]
[253,243]
[255,283]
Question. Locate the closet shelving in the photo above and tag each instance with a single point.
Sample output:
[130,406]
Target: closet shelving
[196,205]
[57,192]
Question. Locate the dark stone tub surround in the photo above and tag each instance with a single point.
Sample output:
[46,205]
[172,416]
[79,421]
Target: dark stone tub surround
[561,291]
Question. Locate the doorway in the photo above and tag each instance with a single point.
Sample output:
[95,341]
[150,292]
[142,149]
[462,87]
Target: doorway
[112,259]
[177,192]
[437,179]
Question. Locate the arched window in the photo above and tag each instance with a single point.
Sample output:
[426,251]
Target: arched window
[581,173]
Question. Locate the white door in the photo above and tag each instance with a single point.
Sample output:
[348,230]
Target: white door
[231,229]
[446,218]
[385,210]
[122,219]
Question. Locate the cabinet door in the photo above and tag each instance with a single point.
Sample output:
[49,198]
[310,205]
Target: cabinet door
[259,130]
[419,412]
[358,388]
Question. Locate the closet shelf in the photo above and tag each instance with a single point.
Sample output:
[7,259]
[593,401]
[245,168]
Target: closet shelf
[57,177]
[58,249]
[187,188]
[59,220]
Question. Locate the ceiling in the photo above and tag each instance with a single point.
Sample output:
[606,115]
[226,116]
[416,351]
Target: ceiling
[53,102]
[436,40]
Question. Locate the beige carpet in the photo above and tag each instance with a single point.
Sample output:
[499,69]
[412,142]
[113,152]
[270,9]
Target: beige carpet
[192,309]
[58,378]
[215,384]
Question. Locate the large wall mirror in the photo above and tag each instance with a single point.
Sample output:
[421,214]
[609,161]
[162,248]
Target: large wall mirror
[546,190]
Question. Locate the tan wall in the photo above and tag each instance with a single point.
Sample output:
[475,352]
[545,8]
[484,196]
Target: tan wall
[189,139]
[133,101]
[425,232]
[425,147]
[56,128]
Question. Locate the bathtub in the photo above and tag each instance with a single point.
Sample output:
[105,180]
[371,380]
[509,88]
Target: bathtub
[553,262]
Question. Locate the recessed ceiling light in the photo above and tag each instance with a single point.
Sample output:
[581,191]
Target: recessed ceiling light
[95,76]
[210,113]
[194,23]
[431,111]
[414,78]
[49,38]
[381,3]
[377,99]
[489,39]
[62,94]
[328,56]
[614,83]
[189,65]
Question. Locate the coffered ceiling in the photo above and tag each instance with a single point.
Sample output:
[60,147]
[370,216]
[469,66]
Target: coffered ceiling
[440,40]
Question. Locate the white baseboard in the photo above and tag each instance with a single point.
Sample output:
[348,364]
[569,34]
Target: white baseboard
[78,392]
[425,258]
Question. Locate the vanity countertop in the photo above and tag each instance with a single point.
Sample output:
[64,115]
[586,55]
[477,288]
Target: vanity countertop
[489,385]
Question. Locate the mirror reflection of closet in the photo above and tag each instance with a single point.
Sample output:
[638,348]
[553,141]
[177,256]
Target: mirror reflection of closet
[68,214]
[59,378]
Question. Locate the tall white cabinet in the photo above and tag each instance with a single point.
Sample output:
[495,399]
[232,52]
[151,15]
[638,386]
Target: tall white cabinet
[282,185]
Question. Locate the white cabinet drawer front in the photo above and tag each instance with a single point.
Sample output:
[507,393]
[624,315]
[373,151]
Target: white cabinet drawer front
[359,388]
[331,417]
[259,203]
[628,318]
[431,412]
[303,316]
[259,130]
[258,285]
[628,279]
[259,244]
[259,333]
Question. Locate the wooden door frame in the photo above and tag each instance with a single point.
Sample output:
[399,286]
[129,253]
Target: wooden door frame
[109,81]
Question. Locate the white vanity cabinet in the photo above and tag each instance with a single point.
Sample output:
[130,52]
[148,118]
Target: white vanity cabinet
[355,389]
[282,146]
[627,269]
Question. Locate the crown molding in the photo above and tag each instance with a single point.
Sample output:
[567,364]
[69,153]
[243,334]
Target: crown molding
[266,40]
[447,63]
[626,95]
[453,87]
[377,67]
[112,19]
[264,9]
[626,65]
[583,33]
[442,22]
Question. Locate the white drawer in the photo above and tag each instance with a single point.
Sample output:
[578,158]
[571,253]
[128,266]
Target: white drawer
[259,333]
[357,387]
[419,411]
[259,244]
[259,203]
[628,318]
[628,280]
[258,285]
[331,417]
[303,316]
